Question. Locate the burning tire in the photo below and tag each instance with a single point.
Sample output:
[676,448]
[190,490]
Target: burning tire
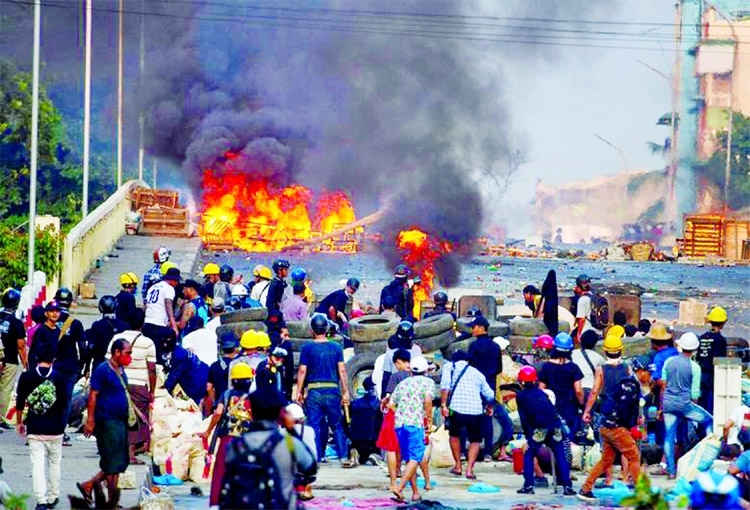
[299,329]
[527,327]
[497,328]
[462,345]
[372,328]
[358,369]
[433,326]
[245,315]
[436,342]
[240,327]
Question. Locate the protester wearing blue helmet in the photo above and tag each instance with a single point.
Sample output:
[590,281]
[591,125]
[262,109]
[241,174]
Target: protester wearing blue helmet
[564,377]
[298,275]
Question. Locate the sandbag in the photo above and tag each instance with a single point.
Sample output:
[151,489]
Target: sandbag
[577,452]
[699,458]
[592,457]
[441,449]
[155,501]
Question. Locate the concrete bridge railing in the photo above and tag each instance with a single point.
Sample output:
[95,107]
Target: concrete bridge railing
[96,234]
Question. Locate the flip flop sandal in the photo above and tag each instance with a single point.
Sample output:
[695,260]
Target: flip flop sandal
[398,497]
[471,477]
[87,496]
[455,473]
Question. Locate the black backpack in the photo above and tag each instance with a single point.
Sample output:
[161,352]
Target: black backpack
[252,478]
[622,407]
[599,316]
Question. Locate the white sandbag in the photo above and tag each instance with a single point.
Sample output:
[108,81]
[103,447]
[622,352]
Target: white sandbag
[441,449]
[126,480]
[699,458]
[592,457]
[577,452]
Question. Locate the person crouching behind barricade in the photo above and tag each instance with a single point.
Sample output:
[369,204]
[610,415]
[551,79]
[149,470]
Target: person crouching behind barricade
[541,424]
[231,419]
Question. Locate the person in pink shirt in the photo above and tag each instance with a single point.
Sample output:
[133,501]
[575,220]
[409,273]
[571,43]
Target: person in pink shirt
[295,308]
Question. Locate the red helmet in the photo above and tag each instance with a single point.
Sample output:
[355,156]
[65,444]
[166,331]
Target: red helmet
[545,342]
[161,254]
[527,374]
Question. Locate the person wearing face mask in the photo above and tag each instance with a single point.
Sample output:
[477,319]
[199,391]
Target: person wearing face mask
[271,372]
[108,410]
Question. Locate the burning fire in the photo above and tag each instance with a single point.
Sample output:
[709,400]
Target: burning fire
[257,216]
[419,251]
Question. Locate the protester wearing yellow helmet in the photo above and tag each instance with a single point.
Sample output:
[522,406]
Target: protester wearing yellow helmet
[167,266]
[259,289]
[254,347]
[712,345]
[125,308]
[211,277]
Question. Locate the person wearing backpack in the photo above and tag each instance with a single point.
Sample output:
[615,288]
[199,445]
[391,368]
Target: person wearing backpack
[618,429]
[261,465]
[12,349]
[43,389]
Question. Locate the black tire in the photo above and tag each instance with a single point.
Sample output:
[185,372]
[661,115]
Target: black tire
[377,348]
[433,326]
[527,327]
[240,327]
[298,343]
[372,328]
[245,315]
[497,328]
[358,368]
[299,329]
[461,345]
[436,342]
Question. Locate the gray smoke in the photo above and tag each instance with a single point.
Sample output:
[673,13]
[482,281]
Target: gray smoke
[407,121]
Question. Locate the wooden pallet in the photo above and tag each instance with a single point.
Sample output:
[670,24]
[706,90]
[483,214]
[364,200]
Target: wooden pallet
[164,221]
[146,197]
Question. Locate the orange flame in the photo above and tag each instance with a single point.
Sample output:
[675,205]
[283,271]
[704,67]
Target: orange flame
[257,216]
[420,251]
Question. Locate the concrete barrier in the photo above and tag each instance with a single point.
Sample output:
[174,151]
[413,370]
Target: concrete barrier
[95,235]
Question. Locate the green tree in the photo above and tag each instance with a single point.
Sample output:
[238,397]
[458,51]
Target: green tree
[714,168]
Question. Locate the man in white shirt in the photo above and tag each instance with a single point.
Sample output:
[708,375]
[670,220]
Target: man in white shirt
[202,342]
[583,306]
[141,377]
[736,432]
[218,307]
[160,323]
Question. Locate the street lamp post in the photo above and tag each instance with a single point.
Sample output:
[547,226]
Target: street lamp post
[34,149]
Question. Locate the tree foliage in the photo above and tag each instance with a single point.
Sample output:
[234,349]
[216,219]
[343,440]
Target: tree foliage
[714,169]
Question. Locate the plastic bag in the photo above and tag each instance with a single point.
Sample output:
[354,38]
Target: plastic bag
[126,480]
[592,457]
[441,449]
[155,501]
[700,458]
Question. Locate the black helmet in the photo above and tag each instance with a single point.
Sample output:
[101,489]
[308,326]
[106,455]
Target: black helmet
[401,271]
[234,302]
[107,304]
[279,264]
[353,283]
[64,296]
[583,281]
[440,298]
[473,312]
[11,298]
[319,324]
[405,330]
[226,273]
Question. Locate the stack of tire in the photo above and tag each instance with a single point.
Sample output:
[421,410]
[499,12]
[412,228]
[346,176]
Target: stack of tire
[300,333]
[239,321]
[370,335]
[523,330]
[497,328]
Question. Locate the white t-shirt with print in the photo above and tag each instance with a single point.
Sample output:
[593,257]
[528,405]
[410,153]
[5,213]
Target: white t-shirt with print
[144,352]
[156,310]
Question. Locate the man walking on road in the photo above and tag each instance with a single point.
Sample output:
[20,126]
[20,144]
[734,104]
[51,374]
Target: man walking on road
[159,310]
[321,366]
[72,342]
[12,350]
[43,389]
[108,415]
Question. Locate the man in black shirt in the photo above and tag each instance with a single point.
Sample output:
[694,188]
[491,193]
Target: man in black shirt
[101,332]
[125,309]
[218,372]
[72,341]
[13,346]
[400,292]
[48,333]
[712,345]
[334,304]
[43,388]
[278,285]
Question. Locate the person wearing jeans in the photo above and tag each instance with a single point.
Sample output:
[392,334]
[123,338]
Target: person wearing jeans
[682,378]
[325,403]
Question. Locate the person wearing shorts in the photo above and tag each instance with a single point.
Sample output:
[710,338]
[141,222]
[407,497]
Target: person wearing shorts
[387,439]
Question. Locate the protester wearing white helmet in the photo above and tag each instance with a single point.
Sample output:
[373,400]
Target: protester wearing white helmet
[682,378]
[294,421]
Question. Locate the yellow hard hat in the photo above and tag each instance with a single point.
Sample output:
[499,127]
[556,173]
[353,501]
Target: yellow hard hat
[257,269]
[128,279]
[211,269]
[265,272]
[613,343]
[166,266]
[659,331]
[717,314]
[247,341]
[263,340]
[616,331]
[241,371]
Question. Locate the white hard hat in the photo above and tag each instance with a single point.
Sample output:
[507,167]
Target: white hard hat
[295,411]
[239,290]
[688,342]
[419,365]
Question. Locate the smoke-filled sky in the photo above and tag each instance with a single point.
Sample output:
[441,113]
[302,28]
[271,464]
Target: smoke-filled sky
[411,103]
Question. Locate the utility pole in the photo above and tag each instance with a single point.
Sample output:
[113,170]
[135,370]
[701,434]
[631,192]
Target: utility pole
[87,110]
[141,119]
[119,98]
[34,138]
[672,209]
[153,174]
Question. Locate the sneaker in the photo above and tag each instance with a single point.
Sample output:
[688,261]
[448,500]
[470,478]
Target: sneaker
[569,491]
[488,458]
[525,490]
[5,426]
[66,440]
[541,482]
[586,495]
[54,503]
[41,506]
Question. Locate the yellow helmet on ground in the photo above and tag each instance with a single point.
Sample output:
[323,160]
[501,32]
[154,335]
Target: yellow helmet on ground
[211,269]
[717,314]
[241,371]
[128,279]
[612,343]
[166,266]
